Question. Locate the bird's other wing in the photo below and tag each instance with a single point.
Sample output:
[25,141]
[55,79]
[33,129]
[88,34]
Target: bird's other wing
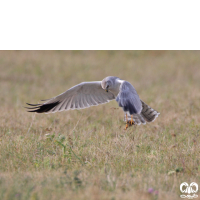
[128,98]
[80,96]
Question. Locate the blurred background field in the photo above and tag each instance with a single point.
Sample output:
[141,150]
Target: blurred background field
[87,154]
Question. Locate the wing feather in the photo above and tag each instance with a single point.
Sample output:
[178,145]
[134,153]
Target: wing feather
[84,102]
[80,103]
[96,99]
[73,103]
[67,107]
[80,96]
[91,101]
[62,106]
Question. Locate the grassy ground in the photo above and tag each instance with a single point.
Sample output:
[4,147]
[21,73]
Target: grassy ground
[87,154]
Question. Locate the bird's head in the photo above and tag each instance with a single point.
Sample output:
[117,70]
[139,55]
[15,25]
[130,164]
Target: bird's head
[108,83]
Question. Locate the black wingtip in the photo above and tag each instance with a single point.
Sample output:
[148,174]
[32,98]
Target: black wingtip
[32,107]
[44,99]
[32,111]
[33,104]
[42,108]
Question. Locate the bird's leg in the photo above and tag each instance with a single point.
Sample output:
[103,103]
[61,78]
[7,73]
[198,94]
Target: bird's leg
[132,122]
[126,122]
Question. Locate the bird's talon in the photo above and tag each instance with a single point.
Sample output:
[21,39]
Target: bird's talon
[126,126]
[132,122]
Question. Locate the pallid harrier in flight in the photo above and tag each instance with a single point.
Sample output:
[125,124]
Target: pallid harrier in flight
[88,94]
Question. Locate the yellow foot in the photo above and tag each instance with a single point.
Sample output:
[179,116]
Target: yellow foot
[126,126]
[132,122]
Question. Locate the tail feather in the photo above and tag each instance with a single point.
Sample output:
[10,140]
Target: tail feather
[147,114]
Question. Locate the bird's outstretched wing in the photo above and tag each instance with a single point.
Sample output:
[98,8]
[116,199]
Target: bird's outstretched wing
[80,96]
[128,98]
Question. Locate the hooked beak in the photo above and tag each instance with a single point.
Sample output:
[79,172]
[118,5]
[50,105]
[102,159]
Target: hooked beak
[107,88]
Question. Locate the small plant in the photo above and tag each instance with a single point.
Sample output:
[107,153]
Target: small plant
[66,148]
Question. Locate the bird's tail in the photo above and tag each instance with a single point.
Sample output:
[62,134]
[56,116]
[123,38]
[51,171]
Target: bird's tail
[147,114]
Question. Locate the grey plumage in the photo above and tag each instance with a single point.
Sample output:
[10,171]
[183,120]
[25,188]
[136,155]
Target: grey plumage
[128,99]
[88,94]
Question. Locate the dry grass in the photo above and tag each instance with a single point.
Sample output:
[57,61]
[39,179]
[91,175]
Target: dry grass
[87,154]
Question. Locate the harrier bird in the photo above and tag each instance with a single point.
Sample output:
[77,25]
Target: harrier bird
[88,94]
